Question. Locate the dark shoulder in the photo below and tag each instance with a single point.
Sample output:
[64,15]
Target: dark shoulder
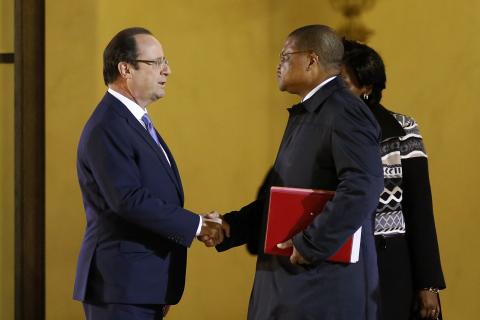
[105,119]
[346,105]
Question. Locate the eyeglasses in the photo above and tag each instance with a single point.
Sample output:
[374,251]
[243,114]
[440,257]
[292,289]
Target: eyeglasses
[284,55]
[158,63]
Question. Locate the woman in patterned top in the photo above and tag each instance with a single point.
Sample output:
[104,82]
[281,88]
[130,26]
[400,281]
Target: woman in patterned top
[407,248]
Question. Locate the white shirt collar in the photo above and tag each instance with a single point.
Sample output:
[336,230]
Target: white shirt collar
[311,93]
[134,108]
[137,112]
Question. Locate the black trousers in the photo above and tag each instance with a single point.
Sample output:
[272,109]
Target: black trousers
[112,311]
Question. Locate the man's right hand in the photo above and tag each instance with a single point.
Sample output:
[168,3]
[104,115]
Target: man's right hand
[211,233]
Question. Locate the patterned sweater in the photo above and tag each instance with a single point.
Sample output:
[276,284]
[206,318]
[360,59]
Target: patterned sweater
[389,218]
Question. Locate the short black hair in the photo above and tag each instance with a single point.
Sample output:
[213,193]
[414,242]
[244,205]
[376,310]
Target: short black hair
[323,40]
[366,66]
[122,48]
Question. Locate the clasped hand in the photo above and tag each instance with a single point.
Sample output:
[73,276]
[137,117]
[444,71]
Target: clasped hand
[214,229]
[296,257]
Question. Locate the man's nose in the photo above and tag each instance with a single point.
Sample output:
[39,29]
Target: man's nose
[166,70]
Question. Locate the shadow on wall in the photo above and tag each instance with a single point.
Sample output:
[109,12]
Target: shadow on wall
[353,28]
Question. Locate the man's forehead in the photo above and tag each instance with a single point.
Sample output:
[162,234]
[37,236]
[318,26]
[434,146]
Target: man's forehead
[146,39]
[146,42]
[289,44]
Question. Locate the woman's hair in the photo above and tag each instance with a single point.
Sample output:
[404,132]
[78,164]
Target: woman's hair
[366,67]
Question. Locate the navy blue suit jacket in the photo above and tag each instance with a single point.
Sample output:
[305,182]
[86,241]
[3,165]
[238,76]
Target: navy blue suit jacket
[137,234]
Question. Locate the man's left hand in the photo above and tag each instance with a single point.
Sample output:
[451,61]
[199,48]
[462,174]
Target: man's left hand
[296,257]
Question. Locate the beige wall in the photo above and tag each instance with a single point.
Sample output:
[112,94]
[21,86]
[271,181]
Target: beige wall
[6,164]
[73,72]
[223,117]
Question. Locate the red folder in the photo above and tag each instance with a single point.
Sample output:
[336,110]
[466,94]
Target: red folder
[291,210]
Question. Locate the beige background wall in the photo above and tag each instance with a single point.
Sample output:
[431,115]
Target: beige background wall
[223,118]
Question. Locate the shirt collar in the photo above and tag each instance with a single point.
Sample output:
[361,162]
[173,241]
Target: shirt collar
[311,93]
[133,107]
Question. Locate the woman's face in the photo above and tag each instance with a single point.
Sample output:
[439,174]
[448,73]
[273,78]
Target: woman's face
[352,82]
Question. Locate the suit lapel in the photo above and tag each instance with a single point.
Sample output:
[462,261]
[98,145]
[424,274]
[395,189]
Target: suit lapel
[133,122]
[173,166]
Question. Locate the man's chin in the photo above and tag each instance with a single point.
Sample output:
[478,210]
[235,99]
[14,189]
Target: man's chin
[159,95]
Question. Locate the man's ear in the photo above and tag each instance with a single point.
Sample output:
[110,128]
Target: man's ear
[124,69]
[313,59]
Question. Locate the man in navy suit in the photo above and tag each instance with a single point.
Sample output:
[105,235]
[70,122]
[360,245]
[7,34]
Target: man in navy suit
[331,142]
[133,256]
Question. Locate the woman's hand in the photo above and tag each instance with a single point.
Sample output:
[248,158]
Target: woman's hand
[429,305]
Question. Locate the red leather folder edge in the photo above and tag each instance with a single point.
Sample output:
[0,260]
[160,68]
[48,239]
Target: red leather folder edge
[291,210]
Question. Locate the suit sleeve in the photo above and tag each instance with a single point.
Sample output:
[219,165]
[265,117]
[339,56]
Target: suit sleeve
[356,156]
[112,164]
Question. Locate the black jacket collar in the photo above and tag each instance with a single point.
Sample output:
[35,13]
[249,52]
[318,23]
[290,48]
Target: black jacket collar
[315,101]
[323,93]
[389,125]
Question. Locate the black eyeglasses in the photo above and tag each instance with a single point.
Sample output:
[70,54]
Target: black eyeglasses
[158,63]
[284,55]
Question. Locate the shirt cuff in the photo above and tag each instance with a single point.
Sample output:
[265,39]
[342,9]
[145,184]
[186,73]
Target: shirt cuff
[199,228]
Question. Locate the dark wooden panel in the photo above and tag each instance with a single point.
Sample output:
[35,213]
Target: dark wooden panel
[29,159]
[7,57]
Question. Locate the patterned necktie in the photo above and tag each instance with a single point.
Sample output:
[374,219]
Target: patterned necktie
[153,134]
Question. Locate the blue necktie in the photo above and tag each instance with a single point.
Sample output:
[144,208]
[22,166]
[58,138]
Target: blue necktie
[153,134]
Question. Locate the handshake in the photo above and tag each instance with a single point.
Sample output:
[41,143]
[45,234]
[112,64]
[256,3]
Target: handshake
[214,229]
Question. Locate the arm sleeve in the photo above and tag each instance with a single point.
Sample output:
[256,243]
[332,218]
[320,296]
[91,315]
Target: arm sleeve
[420,225]
[356,155]
[245,227]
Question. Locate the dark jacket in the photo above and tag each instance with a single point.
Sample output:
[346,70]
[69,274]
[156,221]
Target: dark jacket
[407,248]
[331,142]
